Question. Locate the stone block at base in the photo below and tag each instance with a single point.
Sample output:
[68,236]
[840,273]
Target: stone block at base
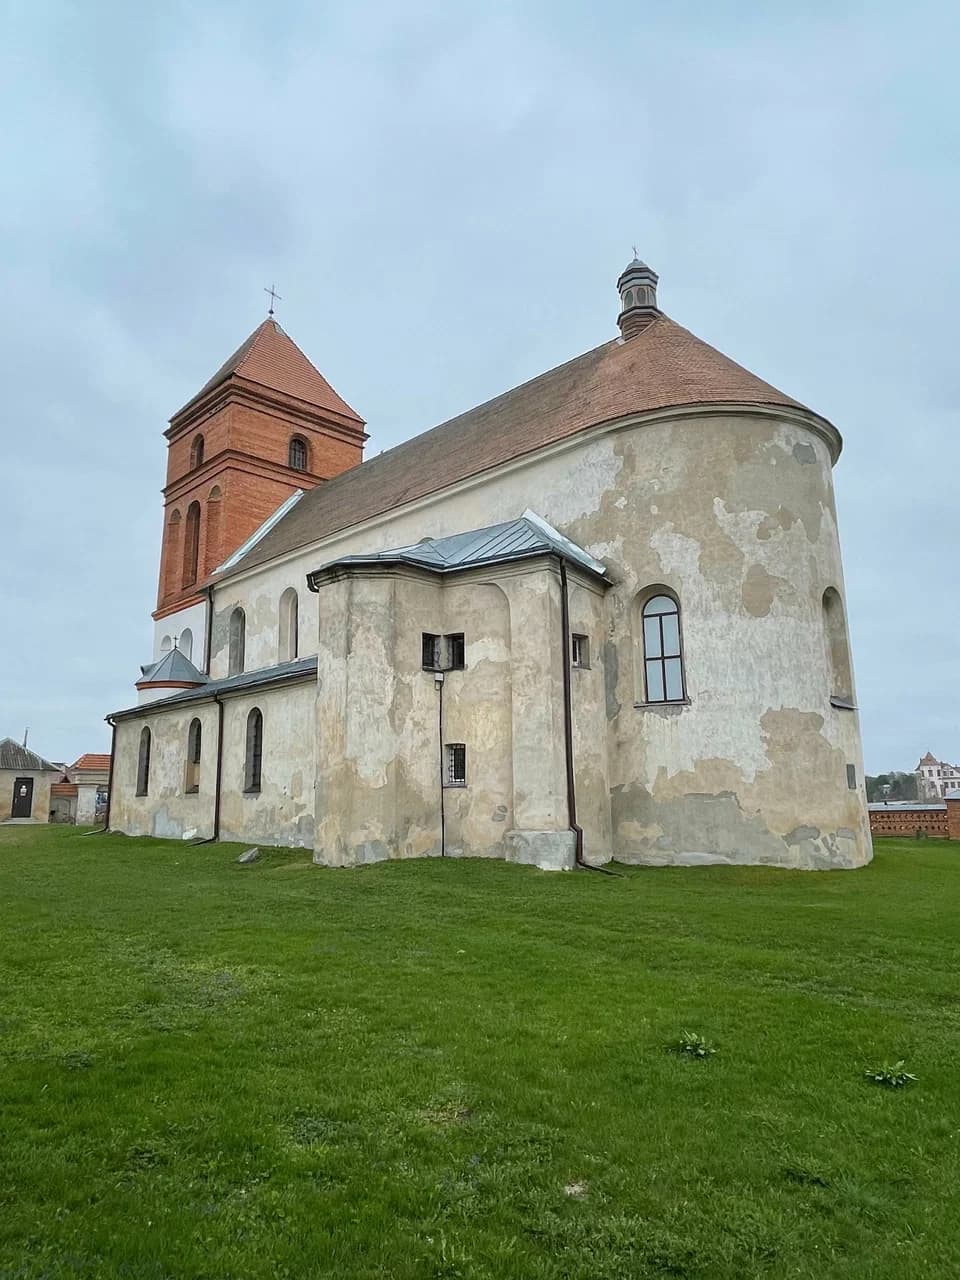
[548,850]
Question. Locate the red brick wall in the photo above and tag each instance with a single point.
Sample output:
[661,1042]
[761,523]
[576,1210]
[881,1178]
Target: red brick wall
[907,822]
[252,485]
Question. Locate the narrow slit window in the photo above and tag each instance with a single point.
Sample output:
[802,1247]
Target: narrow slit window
[852,777]
[254,753]
[143,763]
[297,456]
[580,651]
[194,740]
[430,651]
[662,652]
[456,764]
[455,652]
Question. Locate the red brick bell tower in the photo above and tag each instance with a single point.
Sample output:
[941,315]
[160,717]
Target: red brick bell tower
[266,424]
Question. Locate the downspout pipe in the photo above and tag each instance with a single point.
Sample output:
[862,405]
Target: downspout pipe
[568,715]
[105,829]
[218,785]
[439,682]
[568,725]
[208,638]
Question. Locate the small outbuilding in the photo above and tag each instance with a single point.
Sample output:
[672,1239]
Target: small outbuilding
[25,781]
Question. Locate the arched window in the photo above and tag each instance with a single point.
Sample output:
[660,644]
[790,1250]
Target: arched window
[191,545]
[254,752]
[143,763]
[196,452]
[166,644]
[663,677]
[194,741]
[289,626]
[185,643]
[838,649]
[297,457]
[238,641]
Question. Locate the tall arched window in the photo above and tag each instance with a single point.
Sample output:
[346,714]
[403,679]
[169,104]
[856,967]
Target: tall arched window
[196,452]
[254,753]
[289,626]
[297,457]
[194,742]
[185,643]
[663,677]
[171,555]
[143,763]
[191,545]
[238,641]
[212,554]
[838,648]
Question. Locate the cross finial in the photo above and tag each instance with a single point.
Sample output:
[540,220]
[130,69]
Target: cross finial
[635,254]
[274,297]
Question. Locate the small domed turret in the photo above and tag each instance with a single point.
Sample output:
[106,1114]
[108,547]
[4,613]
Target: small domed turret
[638,297]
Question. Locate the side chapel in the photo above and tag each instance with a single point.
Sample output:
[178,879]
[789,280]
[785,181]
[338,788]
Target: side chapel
[598,617]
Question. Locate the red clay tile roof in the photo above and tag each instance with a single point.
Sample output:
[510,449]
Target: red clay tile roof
[92,762]
[663,366]
[271,358]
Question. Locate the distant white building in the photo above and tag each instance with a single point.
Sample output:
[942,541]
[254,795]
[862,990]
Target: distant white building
[935,778]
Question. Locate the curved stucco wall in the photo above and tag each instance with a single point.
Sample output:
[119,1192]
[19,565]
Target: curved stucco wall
[735,513]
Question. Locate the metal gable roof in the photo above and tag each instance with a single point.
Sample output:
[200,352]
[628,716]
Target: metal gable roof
[15,756]
[529,535]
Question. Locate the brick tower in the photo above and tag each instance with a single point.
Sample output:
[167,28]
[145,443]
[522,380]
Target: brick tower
[266,424]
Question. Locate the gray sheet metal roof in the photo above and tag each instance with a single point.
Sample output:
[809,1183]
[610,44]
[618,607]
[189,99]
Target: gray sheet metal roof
[262,678]
[529,535]
[172,666]
[13,755]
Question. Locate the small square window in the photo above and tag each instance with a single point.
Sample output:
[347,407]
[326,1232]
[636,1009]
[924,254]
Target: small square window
[455,652]
[580,651]
[430,652]
[456,764]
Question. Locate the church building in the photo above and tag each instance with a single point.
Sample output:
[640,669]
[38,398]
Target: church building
[599,617]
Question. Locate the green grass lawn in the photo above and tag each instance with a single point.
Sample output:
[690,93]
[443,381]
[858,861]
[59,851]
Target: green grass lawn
[459,1069]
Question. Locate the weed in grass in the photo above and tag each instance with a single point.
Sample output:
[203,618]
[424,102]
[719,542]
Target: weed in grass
[693,1045]
[890,1077]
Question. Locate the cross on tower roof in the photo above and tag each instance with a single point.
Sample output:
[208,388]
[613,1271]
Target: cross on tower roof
[274,297]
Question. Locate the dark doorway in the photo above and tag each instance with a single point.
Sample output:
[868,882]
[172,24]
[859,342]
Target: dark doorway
[22,798]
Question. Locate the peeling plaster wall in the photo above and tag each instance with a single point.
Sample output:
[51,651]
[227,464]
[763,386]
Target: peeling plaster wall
[165,810]
[734,511]
[281,814]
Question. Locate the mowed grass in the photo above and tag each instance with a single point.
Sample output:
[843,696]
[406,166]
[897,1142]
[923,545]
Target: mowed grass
[460,1069]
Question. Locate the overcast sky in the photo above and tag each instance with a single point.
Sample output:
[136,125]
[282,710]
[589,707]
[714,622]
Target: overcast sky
[445,195]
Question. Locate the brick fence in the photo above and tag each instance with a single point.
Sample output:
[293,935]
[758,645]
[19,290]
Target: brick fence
[939,820]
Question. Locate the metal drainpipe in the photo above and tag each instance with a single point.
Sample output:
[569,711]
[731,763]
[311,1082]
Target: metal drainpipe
[216,794]
[113,751]
[439,682]
[208,591]
[568,726]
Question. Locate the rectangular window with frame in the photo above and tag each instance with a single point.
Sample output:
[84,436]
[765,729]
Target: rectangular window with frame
[455,651]
[580,651]
[852,777]
[456,772]
[429,652]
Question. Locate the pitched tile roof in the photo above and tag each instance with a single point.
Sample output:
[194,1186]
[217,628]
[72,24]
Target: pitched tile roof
[663,366]
[92,761]
[530,535]
[271,358]
[15,756]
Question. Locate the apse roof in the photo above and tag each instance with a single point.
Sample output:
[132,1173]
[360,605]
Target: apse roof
[663,366]
[264,676]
